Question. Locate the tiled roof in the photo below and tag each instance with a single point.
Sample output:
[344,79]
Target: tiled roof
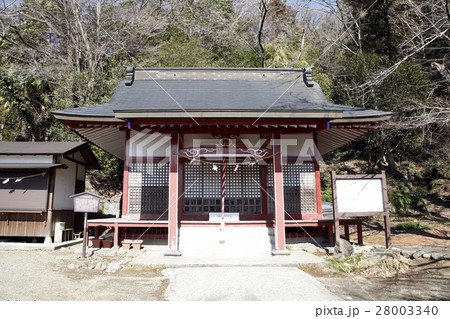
[258,90]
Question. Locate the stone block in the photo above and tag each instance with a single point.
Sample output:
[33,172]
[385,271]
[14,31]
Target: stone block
[343,248]
[172,253]
[437,256]
[279,252]
[417,254]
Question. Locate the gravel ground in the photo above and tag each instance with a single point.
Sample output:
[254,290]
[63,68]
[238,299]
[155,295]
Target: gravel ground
[63,275]
[108,274]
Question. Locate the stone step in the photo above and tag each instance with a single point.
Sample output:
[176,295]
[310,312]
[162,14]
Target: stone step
[231,241]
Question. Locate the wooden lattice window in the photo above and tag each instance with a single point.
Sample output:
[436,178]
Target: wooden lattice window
[148,188]
[299,184]
[307,181]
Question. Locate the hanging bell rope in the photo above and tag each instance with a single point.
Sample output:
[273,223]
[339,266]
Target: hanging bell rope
[222,224]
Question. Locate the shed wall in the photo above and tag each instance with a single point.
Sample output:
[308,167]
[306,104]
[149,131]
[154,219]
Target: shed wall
[28,194]
[23,225]
[64,185]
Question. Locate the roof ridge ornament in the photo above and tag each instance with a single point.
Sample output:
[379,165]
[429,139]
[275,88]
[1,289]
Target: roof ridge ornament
[129,79]
[307,77]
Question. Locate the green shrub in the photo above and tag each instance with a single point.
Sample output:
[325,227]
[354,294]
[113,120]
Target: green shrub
[411,226]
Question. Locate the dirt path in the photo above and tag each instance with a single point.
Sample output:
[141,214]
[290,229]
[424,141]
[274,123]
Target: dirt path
[47,275]
[425,280]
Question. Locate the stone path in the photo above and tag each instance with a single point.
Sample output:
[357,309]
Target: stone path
[244,284]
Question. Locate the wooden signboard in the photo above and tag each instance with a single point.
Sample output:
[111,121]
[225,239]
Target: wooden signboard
[85,203]
[358,196]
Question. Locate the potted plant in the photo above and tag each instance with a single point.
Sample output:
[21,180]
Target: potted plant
[107,243]
[96,243]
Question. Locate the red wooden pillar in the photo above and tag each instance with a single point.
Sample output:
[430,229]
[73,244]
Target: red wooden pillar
[317,174]
[347,232]
[173,197]
[116,234]
[359,231]
[263,174]
[125,175]
[280,239]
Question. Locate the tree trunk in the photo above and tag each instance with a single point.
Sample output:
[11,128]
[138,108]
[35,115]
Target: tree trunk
[390,158]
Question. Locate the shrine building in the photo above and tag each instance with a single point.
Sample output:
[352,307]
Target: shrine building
[213,152]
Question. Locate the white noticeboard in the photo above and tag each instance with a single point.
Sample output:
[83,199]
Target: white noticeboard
[359,195]
[228,217]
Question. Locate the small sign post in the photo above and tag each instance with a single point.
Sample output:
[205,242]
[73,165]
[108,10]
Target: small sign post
[85,203]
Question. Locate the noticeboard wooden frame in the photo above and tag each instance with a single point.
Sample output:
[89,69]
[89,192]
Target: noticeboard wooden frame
[359,195]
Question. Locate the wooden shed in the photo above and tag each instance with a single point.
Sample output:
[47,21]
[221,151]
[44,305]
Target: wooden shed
[36,180]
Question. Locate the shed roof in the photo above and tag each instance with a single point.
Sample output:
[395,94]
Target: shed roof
[31,166]
[51,148]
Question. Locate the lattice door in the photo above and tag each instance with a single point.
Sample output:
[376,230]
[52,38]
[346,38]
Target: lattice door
[202,189]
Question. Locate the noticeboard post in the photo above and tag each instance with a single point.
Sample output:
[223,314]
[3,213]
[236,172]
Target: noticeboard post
[85,203]
[360,195]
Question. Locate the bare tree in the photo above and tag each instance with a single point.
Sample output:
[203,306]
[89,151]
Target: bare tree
[82,34]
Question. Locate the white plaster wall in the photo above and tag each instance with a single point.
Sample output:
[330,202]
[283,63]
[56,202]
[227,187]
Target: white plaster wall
[147,144]
[195,140]
[251,140]
[64,185]
[297,145]
[25,159]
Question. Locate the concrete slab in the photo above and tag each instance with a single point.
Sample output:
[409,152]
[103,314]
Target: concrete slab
[244,284]
[155,257]
[33,246]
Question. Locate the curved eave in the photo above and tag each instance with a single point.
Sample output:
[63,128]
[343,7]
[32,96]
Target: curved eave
[381,118]
[87,118]
[225,114]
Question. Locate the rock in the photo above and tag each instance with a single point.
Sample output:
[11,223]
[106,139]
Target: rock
[417,254]
[73,266]
[309,248]
[363,250]
[343,248]
[407,253]
[437,256]
[101,266]
[113,267]
[381,254]
[428,256]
